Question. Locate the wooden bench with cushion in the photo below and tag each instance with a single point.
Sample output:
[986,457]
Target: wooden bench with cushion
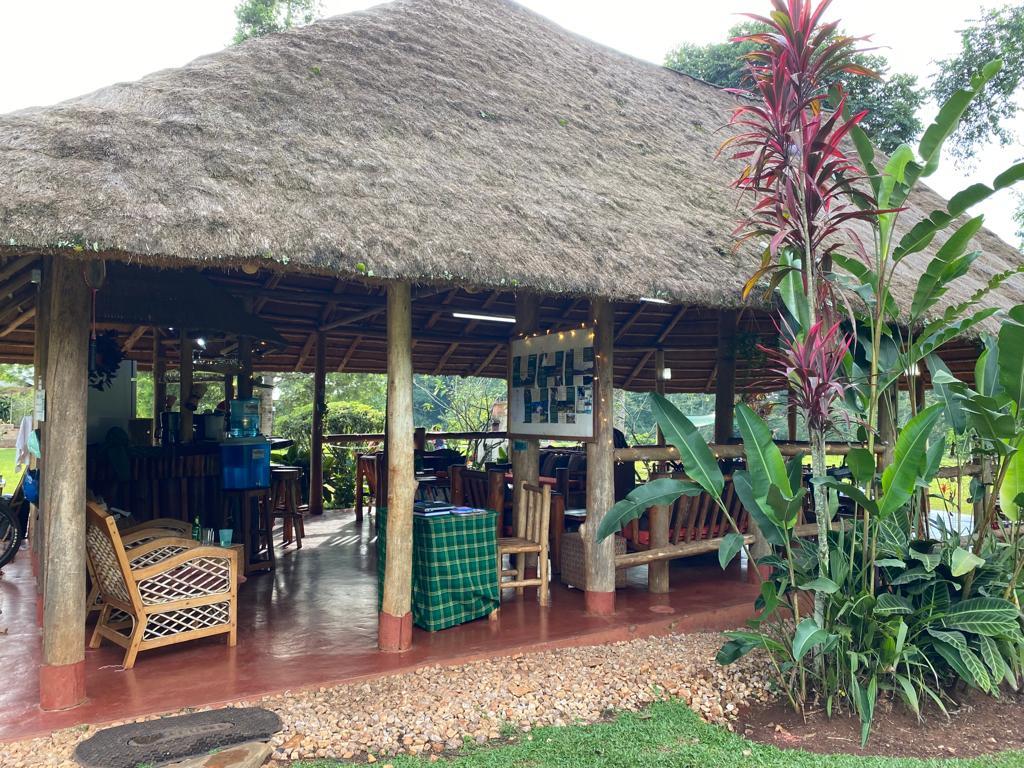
[696,526]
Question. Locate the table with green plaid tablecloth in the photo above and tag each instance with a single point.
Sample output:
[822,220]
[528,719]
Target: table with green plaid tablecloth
[454,568]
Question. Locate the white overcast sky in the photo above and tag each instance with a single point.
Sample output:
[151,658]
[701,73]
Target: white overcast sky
[55,49]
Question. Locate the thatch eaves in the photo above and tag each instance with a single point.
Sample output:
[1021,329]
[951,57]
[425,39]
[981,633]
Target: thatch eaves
[438,141]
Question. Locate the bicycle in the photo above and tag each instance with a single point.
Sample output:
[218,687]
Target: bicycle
[10,533]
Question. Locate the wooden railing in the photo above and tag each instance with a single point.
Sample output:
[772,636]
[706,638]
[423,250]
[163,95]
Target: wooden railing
[728,451]
[378,437]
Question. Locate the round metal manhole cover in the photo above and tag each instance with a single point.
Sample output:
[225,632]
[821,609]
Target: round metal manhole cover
[171,739]
[662,609]
[179,733]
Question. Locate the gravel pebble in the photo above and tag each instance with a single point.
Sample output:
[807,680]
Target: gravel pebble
[437,709]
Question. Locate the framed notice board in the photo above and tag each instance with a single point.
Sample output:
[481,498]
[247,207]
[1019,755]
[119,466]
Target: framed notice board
[551,390]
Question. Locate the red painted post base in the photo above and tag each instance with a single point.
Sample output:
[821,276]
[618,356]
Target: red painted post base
[599,603]
[39,612]
[758,573]
[394,633]
[61,686]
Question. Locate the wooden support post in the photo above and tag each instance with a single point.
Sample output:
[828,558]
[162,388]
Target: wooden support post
[316,443]
[888,418]
[525,452]
[185,371]
[62,673]
[725,382]
[159,383]
[42,338]
[245,364]
[229,387]
[658,571]
[600,556]
[394,629]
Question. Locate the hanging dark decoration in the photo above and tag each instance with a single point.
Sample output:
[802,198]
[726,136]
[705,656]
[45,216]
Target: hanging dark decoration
[104,360]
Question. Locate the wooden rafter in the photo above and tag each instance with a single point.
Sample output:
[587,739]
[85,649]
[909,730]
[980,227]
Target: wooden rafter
[444,358]
[133,339]
[306,349]
[18,322]
[488,360]
[348,353]
[629,322]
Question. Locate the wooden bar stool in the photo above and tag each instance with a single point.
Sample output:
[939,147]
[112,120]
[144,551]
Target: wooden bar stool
[253,506]
[285,484]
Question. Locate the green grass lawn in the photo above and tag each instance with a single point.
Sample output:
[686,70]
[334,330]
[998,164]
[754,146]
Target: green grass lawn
[7,469]
[667,734]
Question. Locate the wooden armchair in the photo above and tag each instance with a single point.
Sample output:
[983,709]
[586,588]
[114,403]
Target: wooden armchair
[136,535]
[167,590]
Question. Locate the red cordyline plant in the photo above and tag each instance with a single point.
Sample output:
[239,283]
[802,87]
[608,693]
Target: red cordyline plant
[811,363]
[791,144]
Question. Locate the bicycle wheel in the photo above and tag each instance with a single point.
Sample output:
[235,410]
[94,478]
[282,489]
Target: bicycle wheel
[10,535]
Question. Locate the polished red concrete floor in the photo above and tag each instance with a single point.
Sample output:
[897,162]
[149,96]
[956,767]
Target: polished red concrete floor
[313,622]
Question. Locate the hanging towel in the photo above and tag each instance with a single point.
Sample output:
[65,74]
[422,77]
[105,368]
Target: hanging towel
[21,450]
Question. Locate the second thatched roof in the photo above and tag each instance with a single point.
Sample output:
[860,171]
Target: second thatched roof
[436,141]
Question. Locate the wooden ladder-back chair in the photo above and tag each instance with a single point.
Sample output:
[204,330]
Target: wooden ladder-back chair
[168,590]
[532,539]
[370,470]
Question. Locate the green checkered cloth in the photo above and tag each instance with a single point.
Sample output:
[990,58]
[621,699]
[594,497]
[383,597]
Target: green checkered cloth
[454,568]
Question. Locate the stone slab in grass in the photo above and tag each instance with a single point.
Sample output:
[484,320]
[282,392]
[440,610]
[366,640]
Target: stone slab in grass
[173,739]
[251,755]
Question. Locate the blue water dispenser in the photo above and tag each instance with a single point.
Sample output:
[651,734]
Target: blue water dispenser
[245,463]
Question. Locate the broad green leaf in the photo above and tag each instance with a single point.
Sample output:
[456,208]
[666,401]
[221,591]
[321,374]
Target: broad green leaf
[929,560]
[728,548]
[764,459]
[956,659]
[909,694]
[951,405]
[986,370]
[917,573]
[785,509]
[820,584]
[941,272]
[656,493]
[862,465]
[740,643]
[855,493]
[909,456]
[791,290]
[1011,355]
[807,636]
[698,461]
[963,562]
[993,659]
[983,616]
[774,533]
[1013,487]
[987,418]
[892,605]
[948,118]
[894,173]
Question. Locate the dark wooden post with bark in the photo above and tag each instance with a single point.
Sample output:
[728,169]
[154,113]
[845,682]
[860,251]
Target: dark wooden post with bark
[600,556]
[185,376]
[658,571]
[62,673]
[316,449]
[725,380]
[394,630]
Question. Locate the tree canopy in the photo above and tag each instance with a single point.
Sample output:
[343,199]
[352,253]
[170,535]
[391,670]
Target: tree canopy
[892,100]
[262,17]
[998,34]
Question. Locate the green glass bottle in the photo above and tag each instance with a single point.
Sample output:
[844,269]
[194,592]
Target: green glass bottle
[197,529]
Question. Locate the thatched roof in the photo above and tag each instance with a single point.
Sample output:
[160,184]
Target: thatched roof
[441,141]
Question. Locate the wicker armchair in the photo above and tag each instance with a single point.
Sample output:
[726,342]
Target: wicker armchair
[167,590]
[142,533]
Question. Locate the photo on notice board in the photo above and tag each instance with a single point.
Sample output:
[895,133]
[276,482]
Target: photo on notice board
[551,385]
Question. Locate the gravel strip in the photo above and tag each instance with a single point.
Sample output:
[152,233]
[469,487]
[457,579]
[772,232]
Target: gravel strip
[437,709]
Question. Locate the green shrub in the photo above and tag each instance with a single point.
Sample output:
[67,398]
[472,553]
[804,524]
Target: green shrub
[342,417]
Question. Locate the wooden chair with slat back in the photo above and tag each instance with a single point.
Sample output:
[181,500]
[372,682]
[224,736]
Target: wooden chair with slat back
[694,518]
[370,483]
[482,489]
[532,538]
